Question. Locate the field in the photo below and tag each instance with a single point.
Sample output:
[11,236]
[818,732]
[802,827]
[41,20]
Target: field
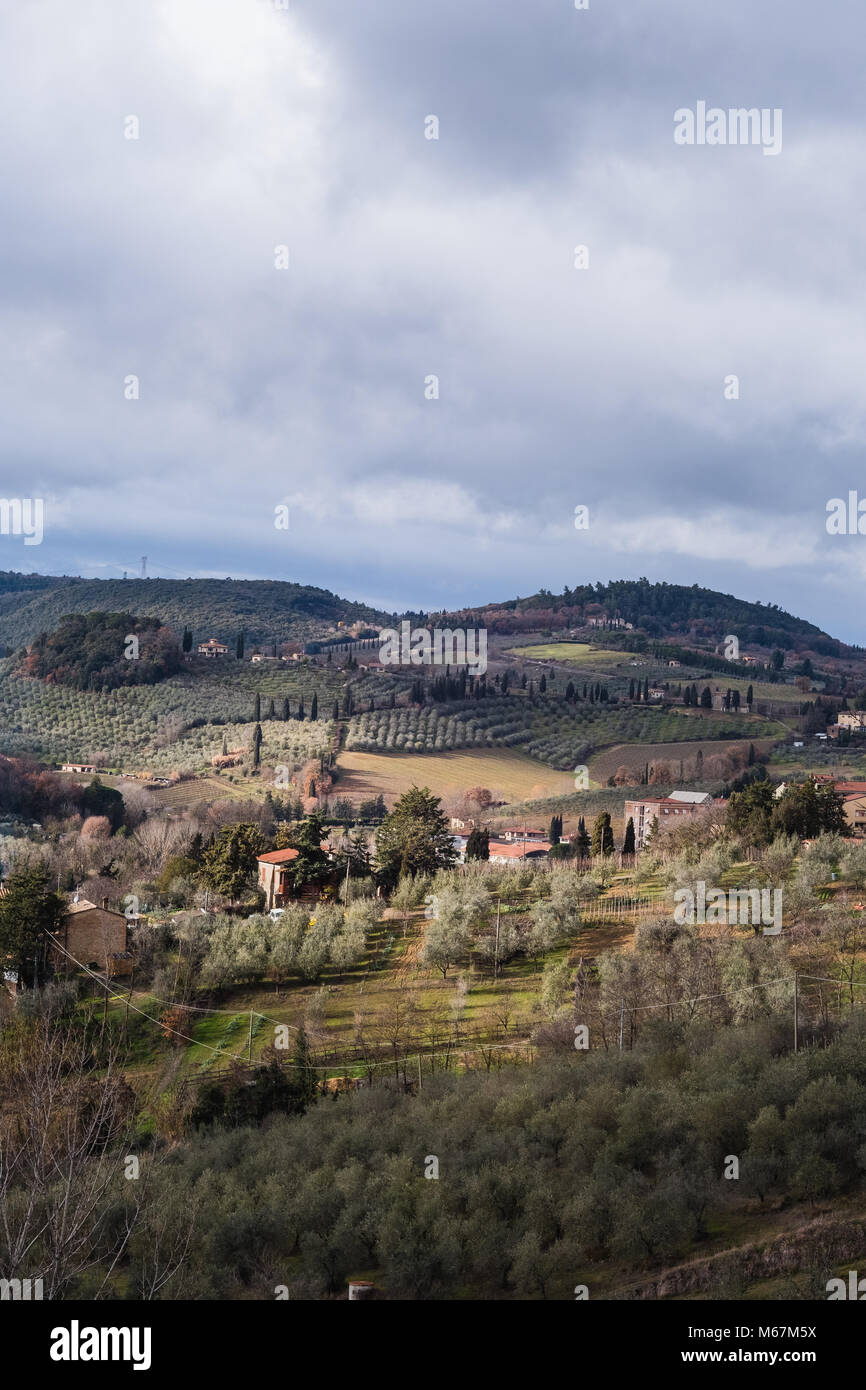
[579,653]
[636,755]
[510,775]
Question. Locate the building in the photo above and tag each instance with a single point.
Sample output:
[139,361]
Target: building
[95,937]
[851,719]
[854,807]
[78,767]
[650,809]
[515,833]
[274,878]
[212,648]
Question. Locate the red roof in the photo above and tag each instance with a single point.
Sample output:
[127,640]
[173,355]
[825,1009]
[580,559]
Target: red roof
[285,856]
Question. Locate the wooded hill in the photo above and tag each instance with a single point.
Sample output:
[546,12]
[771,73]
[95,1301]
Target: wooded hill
[269,610]
[265,610]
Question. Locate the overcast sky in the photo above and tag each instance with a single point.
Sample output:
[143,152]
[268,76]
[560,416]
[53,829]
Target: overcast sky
[412,257]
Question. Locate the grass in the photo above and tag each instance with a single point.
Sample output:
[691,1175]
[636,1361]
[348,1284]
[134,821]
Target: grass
[580,653]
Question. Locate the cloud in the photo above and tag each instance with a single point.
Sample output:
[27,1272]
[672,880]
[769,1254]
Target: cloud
[410,257]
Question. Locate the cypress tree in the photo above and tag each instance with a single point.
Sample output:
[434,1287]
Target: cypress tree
[314,707]
[628,839]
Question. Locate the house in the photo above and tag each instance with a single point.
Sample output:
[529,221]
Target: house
[749,660]
[261,656]
[673,663]
[644,813]
[458,824]
[78,767]
[851,719]
[275,880]
[515,833]
[212,648]
[655,692]
[95,937]
[854,807]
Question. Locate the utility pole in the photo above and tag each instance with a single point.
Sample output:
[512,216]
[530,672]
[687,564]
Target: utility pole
[496,948]
[796,1011]
[250,1043]
[348,866]
[621,1021]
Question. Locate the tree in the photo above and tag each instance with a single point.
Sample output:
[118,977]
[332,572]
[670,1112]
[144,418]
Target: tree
[287,709]
[414,838]
[239,647]
[336,713]
[602,834]
[478,845]
[98,800]
[555,833]
[186,643]
[628,838]
[257,709]
[28,910]
[777,660]
[581,842]
[314,707]
[257,745]
[229,863]
[312,864]
[706,698]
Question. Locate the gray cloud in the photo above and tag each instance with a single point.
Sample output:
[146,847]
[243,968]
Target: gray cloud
[454,257]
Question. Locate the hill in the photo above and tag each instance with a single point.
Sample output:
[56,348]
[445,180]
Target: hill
[679,613]
[266,610]
[688,618]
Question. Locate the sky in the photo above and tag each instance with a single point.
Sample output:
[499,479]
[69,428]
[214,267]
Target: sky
[237,276]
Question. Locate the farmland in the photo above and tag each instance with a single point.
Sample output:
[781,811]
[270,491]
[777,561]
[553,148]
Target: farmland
[576,653]
[553,731]
[635,756]
[507,773]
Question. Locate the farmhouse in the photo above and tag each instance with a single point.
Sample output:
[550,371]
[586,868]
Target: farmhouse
[645,812]
[212,648]
[850,719]
[94,936]
[78,767]
[275,880]
[854,807]
[515,833]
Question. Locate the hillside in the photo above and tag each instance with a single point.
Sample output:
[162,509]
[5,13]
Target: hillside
[264,609]
[680,613]
[276,610]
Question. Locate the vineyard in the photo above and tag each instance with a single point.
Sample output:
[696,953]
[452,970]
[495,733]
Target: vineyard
[553,731]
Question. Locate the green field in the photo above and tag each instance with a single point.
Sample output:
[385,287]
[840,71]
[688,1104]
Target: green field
[580,653]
